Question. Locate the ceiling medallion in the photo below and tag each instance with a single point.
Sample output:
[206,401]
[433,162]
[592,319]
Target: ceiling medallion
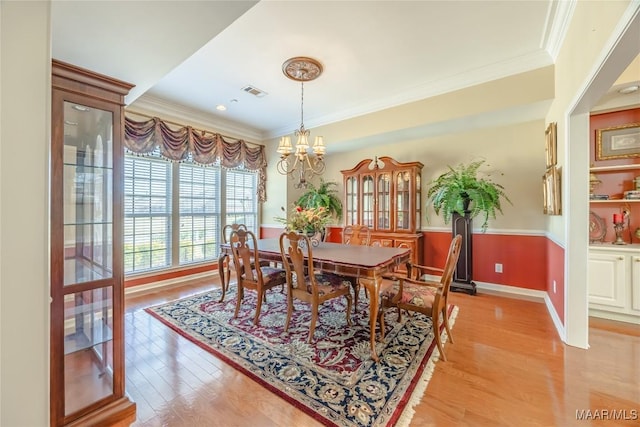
[302,68]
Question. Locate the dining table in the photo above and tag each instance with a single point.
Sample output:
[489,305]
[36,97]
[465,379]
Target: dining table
[369,263]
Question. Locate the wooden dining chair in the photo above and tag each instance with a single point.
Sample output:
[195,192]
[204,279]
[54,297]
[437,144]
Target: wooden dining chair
[415,293]
[252,275]
[306,284]
[227,230]
[356,234]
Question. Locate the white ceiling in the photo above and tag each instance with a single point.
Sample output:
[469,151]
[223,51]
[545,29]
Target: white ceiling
[194,55]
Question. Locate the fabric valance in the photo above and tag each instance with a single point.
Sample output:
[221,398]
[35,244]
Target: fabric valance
[204,148]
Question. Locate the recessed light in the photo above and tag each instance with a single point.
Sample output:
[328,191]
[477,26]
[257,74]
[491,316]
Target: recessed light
[629,89]
[80,107]
[70,123]
[220,107]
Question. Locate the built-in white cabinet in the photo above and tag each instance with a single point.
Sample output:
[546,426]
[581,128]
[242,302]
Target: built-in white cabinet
[614,282]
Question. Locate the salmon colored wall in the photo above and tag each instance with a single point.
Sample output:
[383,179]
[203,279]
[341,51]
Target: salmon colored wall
[605,120]
[555,271]
[523,258]
[527,261]
[614,183]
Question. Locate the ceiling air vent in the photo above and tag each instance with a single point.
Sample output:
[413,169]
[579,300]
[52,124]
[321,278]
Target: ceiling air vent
[254,91]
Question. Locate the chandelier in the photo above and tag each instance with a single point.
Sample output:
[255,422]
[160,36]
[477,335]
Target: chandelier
[306,161]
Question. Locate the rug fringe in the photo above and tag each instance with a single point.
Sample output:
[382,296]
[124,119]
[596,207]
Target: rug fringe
[421,385]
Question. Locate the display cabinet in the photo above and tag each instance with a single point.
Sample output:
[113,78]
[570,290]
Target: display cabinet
[614,282]
[87,296]
[385,195]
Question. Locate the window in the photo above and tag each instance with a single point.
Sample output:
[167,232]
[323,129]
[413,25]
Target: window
[147,214]
[199,213]
[161,232]
[242,200]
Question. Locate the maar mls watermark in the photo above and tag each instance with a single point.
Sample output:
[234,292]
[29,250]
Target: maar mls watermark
[607,414]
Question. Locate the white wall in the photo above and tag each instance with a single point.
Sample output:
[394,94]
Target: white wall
[25,87]
[514,157]
[500,121]
[601,43]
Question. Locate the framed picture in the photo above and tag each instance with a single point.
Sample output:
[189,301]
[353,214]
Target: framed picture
[618,142]
[551,191]
[551,144]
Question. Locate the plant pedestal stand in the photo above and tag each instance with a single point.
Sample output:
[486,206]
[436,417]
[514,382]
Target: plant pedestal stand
[462,276]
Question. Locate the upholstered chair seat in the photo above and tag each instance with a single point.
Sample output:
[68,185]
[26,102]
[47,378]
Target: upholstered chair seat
[327,283]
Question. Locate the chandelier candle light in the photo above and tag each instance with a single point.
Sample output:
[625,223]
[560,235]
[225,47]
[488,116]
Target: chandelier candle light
[307,163]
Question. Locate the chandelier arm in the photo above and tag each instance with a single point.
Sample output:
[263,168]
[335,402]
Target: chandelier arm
[286,166]
[317,166]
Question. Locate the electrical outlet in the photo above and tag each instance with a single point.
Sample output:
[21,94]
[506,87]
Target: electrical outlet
[554,286]
[498,268]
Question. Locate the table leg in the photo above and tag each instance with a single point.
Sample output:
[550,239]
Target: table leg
[373,286]
[221,273]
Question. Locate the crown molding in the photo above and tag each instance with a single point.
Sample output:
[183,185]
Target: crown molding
[155,106]
[464,80]
[559,17]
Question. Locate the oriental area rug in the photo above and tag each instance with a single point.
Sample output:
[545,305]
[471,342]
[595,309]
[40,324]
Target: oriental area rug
[333,379]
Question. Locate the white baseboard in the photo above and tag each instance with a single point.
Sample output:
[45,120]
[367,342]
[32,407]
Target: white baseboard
[164,283]
[562,332]
[522,293]
[618,317]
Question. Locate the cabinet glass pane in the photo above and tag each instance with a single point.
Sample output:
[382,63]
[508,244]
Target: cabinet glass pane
[88,347]
[87,193]
[351,201]
[403,220]
[384,201]
[367,201]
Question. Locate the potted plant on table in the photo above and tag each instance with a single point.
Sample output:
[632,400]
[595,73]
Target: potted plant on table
[461,195]
[325,195]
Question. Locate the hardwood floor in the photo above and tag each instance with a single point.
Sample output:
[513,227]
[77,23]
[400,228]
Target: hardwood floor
[507,367]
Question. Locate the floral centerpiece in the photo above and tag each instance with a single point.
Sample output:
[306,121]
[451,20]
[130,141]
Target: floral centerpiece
[308,220]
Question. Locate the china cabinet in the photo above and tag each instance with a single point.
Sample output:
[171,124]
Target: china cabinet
[385,195]
[87,381]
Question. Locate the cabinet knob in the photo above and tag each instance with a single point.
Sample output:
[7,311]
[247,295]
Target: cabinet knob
[637,259]
[620,258]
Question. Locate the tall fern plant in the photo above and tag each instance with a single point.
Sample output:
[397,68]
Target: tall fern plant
[460,190]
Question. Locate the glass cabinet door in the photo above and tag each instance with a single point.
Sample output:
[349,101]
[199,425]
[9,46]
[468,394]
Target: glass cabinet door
[87,200]
[367,200]
[383,199]
[87,194]
[351,201]
[403,201]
